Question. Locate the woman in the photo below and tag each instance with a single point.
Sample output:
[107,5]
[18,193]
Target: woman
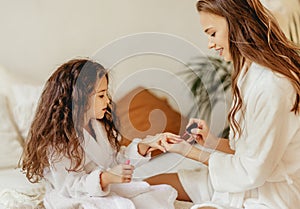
[258,167]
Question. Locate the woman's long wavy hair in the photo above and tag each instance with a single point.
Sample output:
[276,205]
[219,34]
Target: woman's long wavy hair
[255,35]
[57,128]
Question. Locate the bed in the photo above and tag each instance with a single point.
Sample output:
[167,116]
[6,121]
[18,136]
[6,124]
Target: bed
[17,105]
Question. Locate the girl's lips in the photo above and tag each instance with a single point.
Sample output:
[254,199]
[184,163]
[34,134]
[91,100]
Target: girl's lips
[220,51]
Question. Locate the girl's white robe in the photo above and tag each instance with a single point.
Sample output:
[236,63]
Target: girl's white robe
[67,189]
[264,172]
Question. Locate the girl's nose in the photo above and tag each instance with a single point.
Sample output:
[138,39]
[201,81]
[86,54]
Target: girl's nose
[211,44]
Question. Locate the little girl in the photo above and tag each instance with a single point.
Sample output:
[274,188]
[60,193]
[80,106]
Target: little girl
[73,144]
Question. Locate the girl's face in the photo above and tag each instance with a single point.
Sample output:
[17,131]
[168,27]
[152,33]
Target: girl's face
[217,30]
[98,100]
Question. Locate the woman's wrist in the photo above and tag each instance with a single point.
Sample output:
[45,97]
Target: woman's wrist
[185,149]
[198,155]
[212,142]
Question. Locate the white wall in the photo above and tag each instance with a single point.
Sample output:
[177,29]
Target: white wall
[38,35]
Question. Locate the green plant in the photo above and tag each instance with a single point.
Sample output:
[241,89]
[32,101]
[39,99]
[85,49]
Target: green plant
[294,28]
[209,79]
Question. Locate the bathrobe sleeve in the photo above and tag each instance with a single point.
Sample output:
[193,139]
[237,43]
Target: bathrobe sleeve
[75,184]
[263,142]
[131,153]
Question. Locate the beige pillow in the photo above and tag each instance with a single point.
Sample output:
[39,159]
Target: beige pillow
[142,113]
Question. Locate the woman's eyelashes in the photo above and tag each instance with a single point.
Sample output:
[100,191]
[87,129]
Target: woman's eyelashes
[102,95]
[213,34]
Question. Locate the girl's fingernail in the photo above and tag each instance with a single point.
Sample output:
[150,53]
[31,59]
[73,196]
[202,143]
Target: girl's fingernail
[127,162]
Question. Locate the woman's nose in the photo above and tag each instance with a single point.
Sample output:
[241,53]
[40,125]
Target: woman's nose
[107,99]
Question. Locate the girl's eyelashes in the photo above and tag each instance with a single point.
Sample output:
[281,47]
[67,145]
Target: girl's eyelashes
[101,96]
[213,34]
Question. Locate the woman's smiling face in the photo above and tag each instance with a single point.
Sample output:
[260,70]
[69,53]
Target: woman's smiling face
[216,28]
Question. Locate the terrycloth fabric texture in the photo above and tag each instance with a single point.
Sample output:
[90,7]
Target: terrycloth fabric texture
[68,189]
[264,172]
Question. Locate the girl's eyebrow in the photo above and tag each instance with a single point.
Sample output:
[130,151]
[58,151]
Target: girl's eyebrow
[207,30]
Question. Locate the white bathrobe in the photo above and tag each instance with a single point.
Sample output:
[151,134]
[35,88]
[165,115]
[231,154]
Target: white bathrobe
[264,172]
[74,190]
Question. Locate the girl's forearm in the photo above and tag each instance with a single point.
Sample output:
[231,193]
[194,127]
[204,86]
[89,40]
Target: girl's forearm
[104,180]
[143,148]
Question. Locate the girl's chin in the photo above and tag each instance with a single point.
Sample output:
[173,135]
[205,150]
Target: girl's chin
[227,59]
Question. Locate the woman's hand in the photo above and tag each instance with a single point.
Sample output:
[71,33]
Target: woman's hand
[202,134]
[121,173]
[151,143]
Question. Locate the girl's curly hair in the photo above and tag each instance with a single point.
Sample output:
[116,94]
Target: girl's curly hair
[57,128]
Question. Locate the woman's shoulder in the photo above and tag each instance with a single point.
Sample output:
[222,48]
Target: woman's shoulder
[268,80]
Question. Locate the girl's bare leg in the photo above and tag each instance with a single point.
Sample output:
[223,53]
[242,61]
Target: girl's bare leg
[172,180]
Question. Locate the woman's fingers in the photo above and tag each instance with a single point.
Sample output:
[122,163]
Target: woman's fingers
[193,120]
[197,131]
[199,122]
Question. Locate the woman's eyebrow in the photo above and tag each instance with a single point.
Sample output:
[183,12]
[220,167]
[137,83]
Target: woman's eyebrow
[101,90]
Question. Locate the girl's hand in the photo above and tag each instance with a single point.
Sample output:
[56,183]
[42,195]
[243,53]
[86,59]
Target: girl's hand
[154,142]
[182,147]
[121,173]
[202,134]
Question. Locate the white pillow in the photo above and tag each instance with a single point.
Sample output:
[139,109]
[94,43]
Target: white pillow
[23,102]
[10,148]
[7,80]
[21,99]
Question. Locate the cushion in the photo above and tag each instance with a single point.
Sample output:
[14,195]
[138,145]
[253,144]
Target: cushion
[10,148]
[23,102]
[142,113]
[19,100]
